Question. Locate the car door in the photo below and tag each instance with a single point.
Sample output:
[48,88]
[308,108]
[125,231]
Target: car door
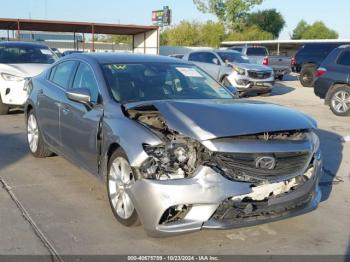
[208,62]
[79,124]
[50,98]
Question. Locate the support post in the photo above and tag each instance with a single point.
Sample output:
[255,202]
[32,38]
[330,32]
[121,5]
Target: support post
[18,30]
[278,48]
[93,38]
[83,42]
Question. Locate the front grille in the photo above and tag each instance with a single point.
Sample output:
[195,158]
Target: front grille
[242,167]
[259,74]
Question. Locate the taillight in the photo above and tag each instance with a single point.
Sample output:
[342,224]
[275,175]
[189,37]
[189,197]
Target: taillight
[266,60]
[320,71]
[293,61]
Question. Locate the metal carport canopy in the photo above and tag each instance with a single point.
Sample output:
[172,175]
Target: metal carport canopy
[82,27]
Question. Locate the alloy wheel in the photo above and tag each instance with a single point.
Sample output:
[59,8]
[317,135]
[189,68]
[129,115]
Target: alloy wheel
[33,133]
[120,180]
[341,101]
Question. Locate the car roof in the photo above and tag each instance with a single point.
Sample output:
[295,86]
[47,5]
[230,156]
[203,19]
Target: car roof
[21,44]
[110,58]
[214,51]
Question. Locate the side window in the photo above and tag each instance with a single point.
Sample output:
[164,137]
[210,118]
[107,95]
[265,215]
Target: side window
[52,72]
[84,78]
[208,58]
[62,73]
[344,58]
[194,57]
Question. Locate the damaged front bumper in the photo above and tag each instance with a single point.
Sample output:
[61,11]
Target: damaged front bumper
[211,202]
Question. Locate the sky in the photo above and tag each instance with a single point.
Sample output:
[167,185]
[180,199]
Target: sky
[334,13]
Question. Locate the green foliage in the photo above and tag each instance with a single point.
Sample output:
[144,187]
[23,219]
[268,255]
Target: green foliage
[193,34]
[317,30]
[117,39]
[229,12]
[268,20]
[249,33]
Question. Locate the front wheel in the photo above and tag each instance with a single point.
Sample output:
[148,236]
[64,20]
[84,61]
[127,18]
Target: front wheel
[36,144]
[119,182]
[340,101]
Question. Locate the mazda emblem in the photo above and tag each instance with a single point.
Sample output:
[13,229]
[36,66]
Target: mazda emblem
[265,162]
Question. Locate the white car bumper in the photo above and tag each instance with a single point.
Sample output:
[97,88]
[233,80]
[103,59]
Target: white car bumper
[13,92]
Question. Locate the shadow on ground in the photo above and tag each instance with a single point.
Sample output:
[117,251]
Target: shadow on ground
[13,149]
[332,152]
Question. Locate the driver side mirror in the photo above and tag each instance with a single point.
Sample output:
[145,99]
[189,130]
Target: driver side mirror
[80,95]
[216,61]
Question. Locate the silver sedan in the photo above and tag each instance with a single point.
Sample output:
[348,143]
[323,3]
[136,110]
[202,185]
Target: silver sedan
[177,152]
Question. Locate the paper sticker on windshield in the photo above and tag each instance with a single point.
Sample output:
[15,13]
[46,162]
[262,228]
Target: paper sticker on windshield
[45,51]
[119,67]
[189,72]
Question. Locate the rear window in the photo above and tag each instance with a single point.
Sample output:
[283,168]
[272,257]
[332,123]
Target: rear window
[257,51]
[344,58]
[319,49]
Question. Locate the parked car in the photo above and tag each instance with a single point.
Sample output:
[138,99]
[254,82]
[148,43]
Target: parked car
[56,51]
[176,151]
[179,56]
[18,62]
[332,81]
[308,58]
[232,68]
[260,55]
[69,52]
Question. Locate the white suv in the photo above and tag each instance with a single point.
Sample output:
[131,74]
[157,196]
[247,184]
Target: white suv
[20,61]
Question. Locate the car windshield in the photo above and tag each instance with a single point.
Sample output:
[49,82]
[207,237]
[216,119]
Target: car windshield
[160,81]
[26,55]
[233,57]
[257,51]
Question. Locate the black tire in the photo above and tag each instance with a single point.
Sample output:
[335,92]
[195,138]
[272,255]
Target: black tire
[42,150]
[307,76]
[280,77]
[133,220]
[337,91]
[4,109]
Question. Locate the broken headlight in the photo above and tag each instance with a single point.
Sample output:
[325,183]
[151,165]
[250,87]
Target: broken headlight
[174,160]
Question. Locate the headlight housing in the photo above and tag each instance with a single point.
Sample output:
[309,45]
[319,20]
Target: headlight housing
[173,160]
[239,70]
[9,77]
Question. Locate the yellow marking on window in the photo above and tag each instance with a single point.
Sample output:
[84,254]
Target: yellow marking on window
[119,67]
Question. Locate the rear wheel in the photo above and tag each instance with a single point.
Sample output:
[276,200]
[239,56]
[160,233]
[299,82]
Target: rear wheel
[119,182]
[4,109]
[280,77]
[307,76]
[36,144]
[340,101]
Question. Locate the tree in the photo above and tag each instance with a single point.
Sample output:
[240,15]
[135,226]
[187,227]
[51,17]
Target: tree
[212,34]
[317,30]
[300,30]
[117,39]
[183,34]
[249,33]
[193,34]
[229,12]
[268,20]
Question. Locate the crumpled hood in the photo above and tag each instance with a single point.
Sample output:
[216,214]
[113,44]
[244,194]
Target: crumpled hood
[209,119]
[23,70]
[254,67]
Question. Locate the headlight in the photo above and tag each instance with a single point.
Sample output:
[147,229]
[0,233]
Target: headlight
[239,70]
[174,160]
[9,77]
